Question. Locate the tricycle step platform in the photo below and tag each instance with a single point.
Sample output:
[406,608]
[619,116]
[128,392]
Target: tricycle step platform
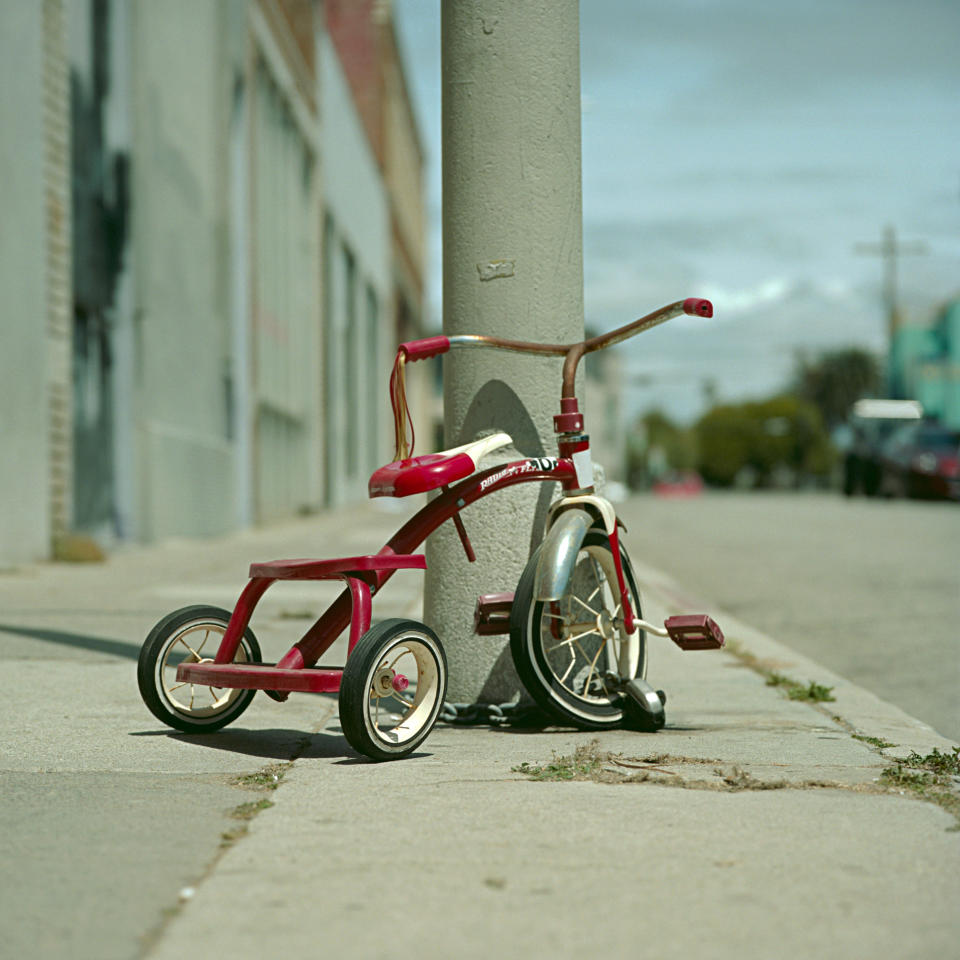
[337,568]
[261,676]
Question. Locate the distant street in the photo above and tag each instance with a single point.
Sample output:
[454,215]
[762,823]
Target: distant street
[869,588]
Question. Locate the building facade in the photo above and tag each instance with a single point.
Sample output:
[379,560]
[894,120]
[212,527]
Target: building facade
[201,297]
[924,365]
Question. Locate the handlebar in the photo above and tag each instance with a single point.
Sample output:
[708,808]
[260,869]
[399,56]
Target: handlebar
[569,420]
[692,306]
[571,352]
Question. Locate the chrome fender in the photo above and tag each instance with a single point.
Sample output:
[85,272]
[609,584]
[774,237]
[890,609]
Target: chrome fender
[604,510]
[558,554]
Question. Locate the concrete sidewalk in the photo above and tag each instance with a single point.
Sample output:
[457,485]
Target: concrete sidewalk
[752,825]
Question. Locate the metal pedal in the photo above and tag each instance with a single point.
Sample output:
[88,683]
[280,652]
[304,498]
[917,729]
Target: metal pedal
[694,631]
[492,614]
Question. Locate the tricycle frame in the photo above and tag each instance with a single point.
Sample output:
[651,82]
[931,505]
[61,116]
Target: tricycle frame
[364,576]
[582,527]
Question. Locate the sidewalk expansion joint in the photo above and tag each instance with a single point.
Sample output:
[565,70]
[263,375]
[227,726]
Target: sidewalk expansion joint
[264,781]
[934,778]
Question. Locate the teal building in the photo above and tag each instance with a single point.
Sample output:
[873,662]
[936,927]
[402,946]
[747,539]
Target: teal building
[924,365]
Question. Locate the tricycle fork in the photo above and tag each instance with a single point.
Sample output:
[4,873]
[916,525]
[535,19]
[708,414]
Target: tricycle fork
[240,618]
[561,546]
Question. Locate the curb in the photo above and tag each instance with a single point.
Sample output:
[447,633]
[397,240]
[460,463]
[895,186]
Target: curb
[854,707]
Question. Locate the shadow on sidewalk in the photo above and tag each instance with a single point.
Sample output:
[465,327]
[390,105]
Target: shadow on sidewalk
[275,744]
[115,648]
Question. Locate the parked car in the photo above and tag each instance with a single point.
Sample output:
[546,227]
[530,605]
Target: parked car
[921,459]
[871,424]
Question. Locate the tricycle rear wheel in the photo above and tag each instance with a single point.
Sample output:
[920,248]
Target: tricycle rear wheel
[192,634]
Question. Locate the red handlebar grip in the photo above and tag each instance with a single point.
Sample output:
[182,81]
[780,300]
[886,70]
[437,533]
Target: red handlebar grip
[422,349]
[697,307]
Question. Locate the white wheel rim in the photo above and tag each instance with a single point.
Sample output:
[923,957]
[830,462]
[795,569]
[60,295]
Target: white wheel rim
[393,721]
[195,643]
[592,637]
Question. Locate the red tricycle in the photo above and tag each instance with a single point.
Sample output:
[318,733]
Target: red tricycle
[576,632]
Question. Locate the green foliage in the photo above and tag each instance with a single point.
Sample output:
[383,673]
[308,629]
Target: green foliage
[266,779]
[835,379]
[585,762]
[782,434]
[813,693]
[659,445]
[933,778]
[877,742]
[247,811]
[941,764]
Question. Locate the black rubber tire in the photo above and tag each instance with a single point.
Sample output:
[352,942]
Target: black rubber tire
[372,654]
[532,662]
[153,667]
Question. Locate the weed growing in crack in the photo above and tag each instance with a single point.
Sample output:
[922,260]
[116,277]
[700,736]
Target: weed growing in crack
[737,779]
[229,837]
[247,811]
[933,778]
[266,779]
[583,765]
[813,693]
[589,762]
[877,742]
[942,764]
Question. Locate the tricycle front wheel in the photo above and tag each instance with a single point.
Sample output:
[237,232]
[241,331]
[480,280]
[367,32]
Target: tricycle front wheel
[574,654]
[392,689]
[191,635]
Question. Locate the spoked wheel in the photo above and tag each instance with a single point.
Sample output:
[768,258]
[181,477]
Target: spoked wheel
[191,634]
[392,689]
[573,654]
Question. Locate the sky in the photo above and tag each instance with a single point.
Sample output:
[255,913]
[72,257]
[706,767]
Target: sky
[741,150]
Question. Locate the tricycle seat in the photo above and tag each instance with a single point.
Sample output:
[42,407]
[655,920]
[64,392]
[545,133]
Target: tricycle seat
[402,478]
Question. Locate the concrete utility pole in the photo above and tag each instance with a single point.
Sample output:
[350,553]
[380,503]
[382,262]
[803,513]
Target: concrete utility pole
[512,267]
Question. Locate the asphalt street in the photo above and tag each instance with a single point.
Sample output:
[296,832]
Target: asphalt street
[869,588]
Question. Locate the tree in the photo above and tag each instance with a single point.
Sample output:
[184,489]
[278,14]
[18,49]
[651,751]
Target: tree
[780,436]
[835,379]
[657,445]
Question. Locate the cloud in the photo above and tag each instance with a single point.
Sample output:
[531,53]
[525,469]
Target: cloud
[766,293]
[749,349]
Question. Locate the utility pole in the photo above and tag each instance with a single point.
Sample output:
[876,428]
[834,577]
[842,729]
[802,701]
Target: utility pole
[889,248]
[512,267]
